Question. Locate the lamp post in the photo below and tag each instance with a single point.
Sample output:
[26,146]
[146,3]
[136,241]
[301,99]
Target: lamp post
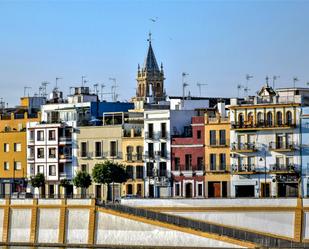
[261,159]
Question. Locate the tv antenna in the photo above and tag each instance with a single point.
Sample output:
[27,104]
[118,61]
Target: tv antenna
[57,79]
[83,80]
[184,85]
[295,79]
[26,89]
[275,77]
[200,87]
[95,88]
[239,87]
[246,89]
[113,88]
[44,88]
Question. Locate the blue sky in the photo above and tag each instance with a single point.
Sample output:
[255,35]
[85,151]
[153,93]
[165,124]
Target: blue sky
[216,42]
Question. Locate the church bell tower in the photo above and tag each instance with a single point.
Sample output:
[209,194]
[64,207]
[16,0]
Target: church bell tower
[150,78]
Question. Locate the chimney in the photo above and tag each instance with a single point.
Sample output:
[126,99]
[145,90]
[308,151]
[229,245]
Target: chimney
[221,108]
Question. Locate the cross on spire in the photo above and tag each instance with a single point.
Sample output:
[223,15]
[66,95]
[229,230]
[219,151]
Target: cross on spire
[149,37]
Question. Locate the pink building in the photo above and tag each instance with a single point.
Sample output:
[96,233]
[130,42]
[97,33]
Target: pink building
[188,151]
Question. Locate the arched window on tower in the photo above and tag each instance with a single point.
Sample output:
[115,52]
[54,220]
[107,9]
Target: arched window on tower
[241,120]
[260,119]
[279,118]
[288,118]
[269,119]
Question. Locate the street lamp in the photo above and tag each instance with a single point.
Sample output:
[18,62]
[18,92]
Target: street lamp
[261,159]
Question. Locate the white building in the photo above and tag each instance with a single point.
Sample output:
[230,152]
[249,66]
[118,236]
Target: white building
[266,143]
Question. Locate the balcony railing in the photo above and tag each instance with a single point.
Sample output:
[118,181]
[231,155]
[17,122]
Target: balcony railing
[291,168]
[134,157]
[250,168]
[163,134]
[65,139]
[149,135]
[183,167]
[243,147]
[261,124]
[219,143]
[282,146]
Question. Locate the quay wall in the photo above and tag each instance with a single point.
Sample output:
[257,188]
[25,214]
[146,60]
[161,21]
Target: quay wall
[79,222]
[286,218]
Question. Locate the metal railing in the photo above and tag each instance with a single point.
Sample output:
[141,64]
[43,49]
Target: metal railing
[219,143]
[204,226]
[243,146]
[261,124]
[281,146]
[244,168]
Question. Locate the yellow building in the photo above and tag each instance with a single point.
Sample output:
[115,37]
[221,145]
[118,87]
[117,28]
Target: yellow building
[13,150]
[217,156]
[132,147]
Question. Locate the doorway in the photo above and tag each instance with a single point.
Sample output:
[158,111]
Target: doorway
[150,191]
[51,191]
[265,192]
[214,189]
[244,190]
[188,190]
[98,192]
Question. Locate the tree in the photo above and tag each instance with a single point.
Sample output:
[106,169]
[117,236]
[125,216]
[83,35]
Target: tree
[82,180]
[37,181]
[64,183]
[109,172]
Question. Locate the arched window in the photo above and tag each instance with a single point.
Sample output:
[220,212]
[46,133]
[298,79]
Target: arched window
[269,119]
[288,118]
[129,170]
[139,153]
[279,118]
[241,119]
[260,119]
[250,118]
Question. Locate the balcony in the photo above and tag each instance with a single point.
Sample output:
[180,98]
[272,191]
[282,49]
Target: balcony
[162,154]
[261,125]
[282,147]
[283,169]
[219,144]
[112,155]
[65,140]
[134,157]
[30,157]
[163,135]
[149,135]
[244,169]
[243,147]
[85,154]
[188,168]
[149,155]
[65,158]
[216,169]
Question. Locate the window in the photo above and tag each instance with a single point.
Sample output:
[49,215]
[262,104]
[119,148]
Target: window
[83,146]
[250,117]
[149,167]
[212,161]
[129,153]
[139,153]
[162,169]
[199,189]
[163,150]
[52,135]
[61,168]
[113,148]
[139,172]
[17,147]
[269,119]
[279,141]
[188,161]
[52,170]
[41,169]
[279,118]
[222,158]
[51,152]
[83,167]
[129,170]
[6,147]
[17,165]
[31,136]
[40,135]
[176,163]
[288,118]
[6,166]
[199,134]
[212,137]
[163,130]
[260,120]
[222,137]
[98,149]
[150,130]
[200,163]
[177,189]
[40,152]
[150,150]
[241,119]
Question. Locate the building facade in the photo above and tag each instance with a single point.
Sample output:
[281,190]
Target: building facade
[217,154]
[13,152]
[188,167]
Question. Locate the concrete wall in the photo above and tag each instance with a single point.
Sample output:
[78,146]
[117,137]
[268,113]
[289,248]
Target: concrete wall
[80,222]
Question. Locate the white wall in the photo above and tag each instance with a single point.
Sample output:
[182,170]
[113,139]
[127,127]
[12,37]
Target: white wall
[20,222]
[47,228]
[77,226]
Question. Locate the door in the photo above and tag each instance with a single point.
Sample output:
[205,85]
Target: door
[217,189]
[51,191]
[188,190]
[98,191]
[150,191]
[265,192]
